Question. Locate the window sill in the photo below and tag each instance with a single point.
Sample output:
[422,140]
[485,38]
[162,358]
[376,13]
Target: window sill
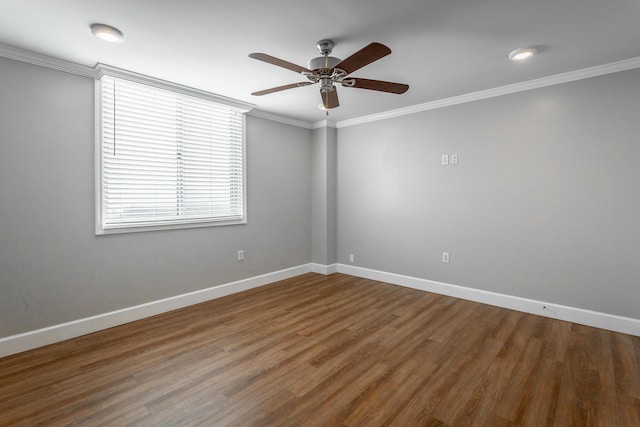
[172,226]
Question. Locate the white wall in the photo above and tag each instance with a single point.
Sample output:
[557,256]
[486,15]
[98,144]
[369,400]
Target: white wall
[53,269]
[544,204]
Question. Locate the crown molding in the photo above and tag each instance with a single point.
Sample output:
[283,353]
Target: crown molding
[45,61]
[324,124]
[95,72]
[599,70]
[280,119]
[103,69]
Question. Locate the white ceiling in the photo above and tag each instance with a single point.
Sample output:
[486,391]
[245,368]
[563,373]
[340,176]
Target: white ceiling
[441,48]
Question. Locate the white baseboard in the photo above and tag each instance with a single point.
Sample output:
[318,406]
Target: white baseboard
[52,334]
[581,316]
[324,269]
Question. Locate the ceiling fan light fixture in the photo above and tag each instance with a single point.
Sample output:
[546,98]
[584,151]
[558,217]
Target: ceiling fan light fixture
[522,54]
[107,33]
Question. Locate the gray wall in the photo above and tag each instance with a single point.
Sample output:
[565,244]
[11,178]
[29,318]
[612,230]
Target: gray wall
[323,196]
[544,204]
[332,195]
[54,269]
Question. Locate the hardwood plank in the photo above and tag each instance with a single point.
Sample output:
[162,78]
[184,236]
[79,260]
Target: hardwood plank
[330,350]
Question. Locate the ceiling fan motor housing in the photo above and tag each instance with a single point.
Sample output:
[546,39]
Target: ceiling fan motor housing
[321,62]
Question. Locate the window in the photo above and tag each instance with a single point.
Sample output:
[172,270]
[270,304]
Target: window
[167,159]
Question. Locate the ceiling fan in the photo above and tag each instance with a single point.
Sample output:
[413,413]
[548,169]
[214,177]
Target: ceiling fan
[329,71]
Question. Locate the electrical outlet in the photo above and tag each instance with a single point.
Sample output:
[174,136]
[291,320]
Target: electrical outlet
[445,159]
[240,255]
[445,256]
[352,258]
[454,159]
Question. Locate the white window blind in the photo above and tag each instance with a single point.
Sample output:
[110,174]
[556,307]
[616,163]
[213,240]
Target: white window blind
[168,158]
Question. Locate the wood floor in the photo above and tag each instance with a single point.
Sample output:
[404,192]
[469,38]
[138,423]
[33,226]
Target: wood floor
[330,350]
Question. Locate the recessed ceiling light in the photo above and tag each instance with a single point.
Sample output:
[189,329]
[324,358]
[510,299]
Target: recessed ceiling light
[522,54]
[107,33]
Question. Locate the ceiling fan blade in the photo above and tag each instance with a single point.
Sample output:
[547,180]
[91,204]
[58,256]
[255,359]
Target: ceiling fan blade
[330,99]
[279,88]
[378,85]
[279,62]
[364,56]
